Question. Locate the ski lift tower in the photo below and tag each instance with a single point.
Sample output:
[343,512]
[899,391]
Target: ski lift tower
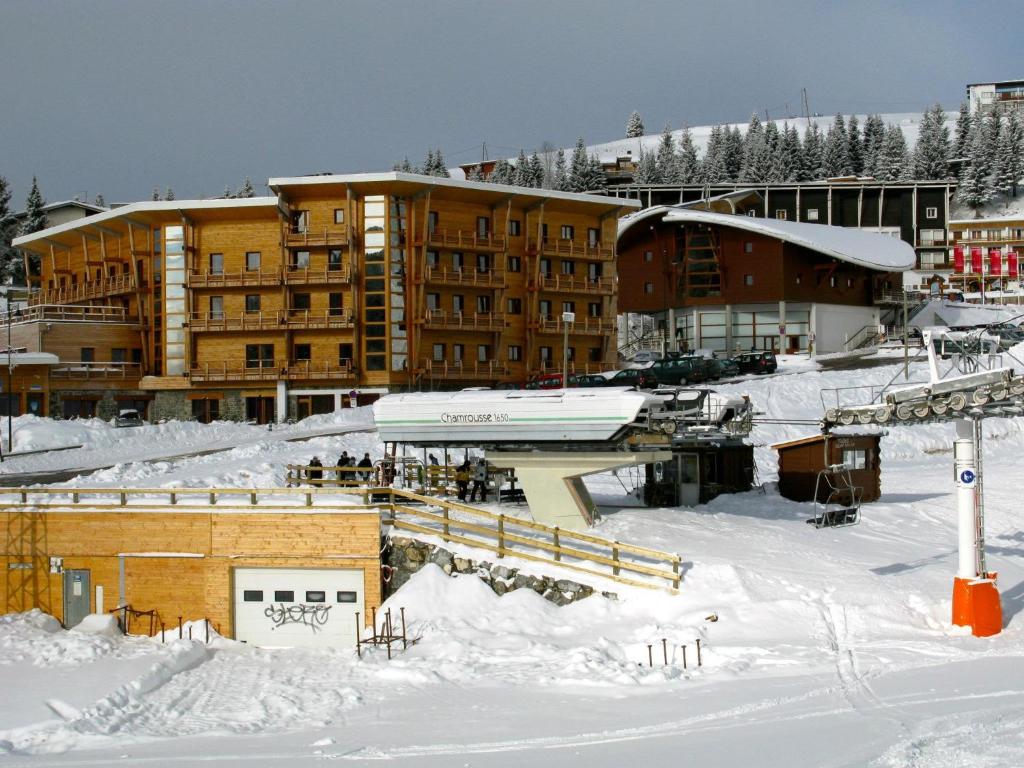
[974,386]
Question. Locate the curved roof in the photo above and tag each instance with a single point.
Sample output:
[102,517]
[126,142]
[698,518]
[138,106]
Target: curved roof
[855,246]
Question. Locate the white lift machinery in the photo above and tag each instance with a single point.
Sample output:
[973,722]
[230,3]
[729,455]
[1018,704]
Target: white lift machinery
[968,381]
[553,438]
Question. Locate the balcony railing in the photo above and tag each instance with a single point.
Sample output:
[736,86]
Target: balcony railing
[95,289]
[96,371]
[318,276]
[470,276]
[578,368]
[598,326]
[463,369]
[573,284]
[239,279]
[316,236]
[463,321]
[307,369]
[574,249]
[245,321]
[322,318]
[469,240]
[69,313]
[269,371]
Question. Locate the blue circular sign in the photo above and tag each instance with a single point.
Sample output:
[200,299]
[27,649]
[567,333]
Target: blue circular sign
[967,477]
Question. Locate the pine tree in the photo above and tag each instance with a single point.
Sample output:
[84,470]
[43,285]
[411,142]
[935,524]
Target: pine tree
[874,137]
[732,155]
[169,194]
[536,171]
[667,161]
[1016,127]
[560,174]
[835,156]
[246,190]
[931,154]
[962,136]
[227,194]
[794,153]
[975,188]
[502,173]
[992,125]
[12,268]
[646,168]
[98,200]
[596,179]
[812,169]
[578,167]
[405,166]
[634,126]
[522,175]
[767,161]
[893,160]
[156,194]
[1005,163]
[688,170]
[753,143]
[476,174]
[440,166]
[712,166]
[855,149]
[35,217]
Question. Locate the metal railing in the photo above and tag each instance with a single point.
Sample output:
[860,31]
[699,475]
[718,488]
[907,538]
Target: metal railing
[94,370]
[574,249]
[467,321]
[462,239]
[69,313]
[237,279]
[463,369]
[582,325]
[470,276]
[558,283]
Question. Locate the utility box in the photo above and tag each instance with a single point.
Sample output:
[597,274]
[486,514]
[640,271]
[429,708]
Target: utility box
[698,473]
[801,460]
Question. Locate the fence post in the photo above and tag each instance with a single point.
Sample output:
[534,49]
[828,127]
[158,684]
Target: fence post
[445,509]
[501,535]
[558,545]
[213,498]
[74,498]
[252,497]
[615,557]
[675,570]
[309,499]
[174,498]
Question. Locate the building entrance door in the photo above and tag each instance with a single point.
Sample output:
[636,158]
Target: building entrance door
[36,403]
[689,480]
[77,604]
[259,409]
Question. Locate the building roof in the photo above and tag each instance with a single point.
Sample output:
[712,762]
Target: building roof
[29,358]
[854,246]
[144,207]
[419,181]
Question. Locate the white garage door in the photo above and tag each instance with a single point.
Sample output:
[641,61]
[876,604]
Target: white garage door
[298,606]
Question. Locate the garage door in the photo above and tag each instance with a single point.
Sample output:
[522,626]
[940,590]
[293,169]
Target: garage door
[297,606]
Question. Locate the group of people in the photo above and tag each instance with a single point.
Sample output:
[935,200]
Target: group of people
[478,474]
[315,474]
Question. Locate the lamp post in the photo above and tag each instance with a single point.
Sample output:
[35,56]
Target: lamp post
[10,374]
[567,318]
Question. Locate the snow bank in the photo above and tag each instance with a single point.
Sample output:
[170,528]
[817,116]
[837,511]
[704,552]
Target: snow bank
[104,624]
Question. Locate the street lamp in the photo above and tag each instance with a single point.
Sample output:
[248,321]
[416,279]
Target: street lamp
[6,291]
[567,318]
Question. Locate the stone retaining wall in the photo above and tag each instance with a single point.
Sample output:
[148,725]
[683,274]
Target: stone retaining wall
[405,556]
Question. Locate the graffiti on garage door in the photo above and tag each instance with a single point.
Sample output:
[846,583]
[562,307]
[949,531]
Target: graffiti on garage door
[312,616]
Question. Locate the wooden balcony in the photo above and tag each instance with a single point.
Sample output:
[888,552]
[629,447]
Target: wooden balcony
[591,326]
[602,286]
[471,277]
[302,370]
[573,249]
[439,319]
[468,240]
[70,314]
[341,275]
[207,372]
[113,285]
[465,370]
[317,237]
[322,318]
[239,279]
[96,371]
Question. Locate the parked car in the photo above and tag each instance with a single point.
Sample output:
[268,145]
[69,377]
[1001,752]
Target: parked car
[680,370]
[757,362]
[128,418]
[587,380]
[641,378]
[644,356]
[728,367]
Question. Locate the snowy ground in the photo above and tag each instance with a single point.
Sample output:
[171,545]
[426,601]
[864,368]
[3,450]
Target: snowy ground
[831,647]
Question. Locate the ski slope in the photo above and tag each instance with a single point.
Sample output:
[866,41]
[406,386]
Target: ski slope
[831,647]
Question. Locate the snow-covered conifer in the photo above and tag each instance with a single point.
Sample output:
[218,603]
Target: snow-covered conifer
[688,169]
[812,169]
[931,154]
[667,160]
[634,126]
[893,160]
[578,167]
[854,146]
[962,134]
[560,174]
[874,137]
[247,189]
[835,155]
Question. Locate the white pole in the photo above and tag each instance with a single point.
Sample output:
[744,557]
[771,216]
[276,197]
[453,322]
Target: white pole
[966,479]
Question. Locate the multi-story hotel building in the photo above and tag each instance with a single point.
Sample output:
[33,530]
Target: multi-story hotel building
[985,257]
[338,288]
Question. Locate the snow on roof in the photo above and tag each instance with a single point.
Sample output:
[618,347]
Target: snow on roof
[29,358]
[441,181]
[867,249]
[955,313]
[146,206]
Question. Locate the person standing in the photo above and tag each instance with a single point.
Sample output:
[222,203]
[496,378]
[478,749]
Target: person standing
[343,461]
[315,473]
[366,464]
[462,479]
[479,481]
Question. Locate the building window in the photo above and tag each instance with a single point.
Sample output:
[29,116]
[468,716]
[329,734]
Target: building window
[514,227]
[438,353]
[252,261]
[545,267]
[119,355]
[483,263]
[545,354]
[544,306]
[216,263]
[458,352]
[752,214]
[483,304]
[568,267]
[855,459]
[594,272]
[345,354]
[335,304]
[780,213]
[515,353]
[594,309]
[303,352]
[432,220]
[514,264]
[799,278]
[849,282]
[433,300]
[483,353]
[433,259]
[569,306]
[812,214]
[252,302]
[216,307]
[204,411]
[334,259]
[593,236]
[300,260]
[931,212]
[933,237]
[568,232]
[259,355]
[649,288]
[300,222]
[594,354]
[748,279]
[748,247]
[570,354]
[458,303]
[457,261]
[339,215]
[648,256]
[832,281]
[515,306]
[483,227]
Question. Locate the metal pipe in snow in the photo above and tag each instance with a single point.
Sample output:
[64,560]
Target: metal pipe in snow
[965,471]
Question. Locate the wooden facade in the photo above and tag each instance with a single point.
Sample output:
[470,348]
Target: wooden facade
[800,461]
[339,283]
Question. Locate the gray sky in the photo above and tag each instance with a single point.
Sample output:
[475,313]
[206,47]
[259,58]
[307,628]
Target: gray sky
[119,97]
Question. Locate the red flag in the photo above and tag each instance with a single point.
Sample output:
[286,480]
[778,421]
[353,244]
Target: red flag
[1012,264]
[958,259]
[976,260]
[995,261]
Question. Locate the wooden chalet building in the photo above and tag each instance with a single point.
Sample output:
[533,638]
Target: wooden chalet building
[337,289]
[726,282]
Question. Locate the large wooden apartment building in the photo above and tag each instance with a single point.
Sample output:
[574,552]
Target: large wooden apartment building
[338,288]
